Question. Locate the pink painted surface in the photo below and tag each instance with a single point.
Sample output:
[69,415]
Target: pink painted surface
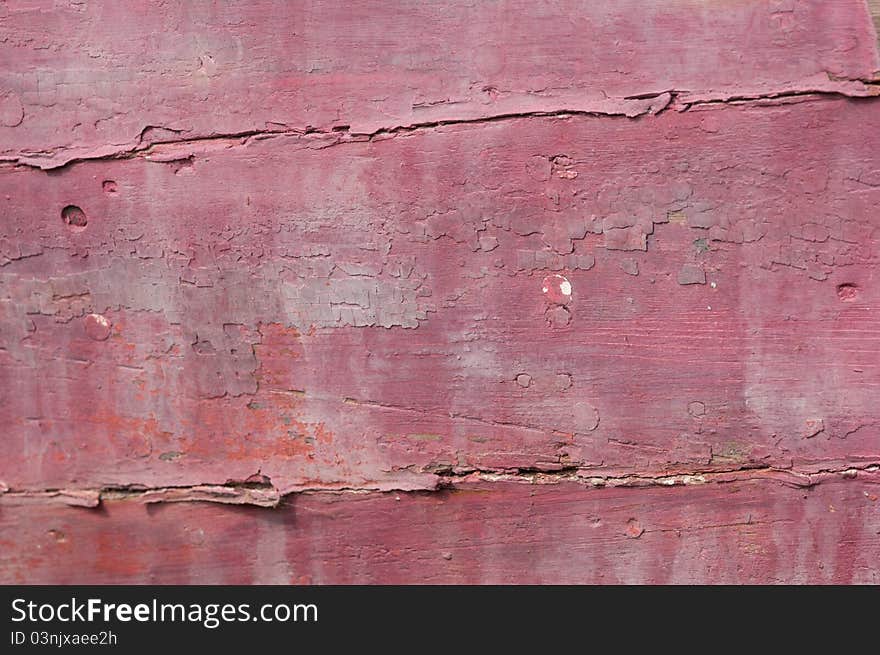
[499,532]
[452,254]
[95,79]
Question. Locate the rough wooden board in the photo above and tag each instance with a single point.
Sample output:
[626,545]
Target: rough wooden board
[333,313]
[82,80]
[499,532]
[533,251]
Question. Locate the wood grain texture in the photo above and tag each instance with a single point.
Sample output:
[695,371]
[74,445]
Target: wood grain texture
[89,79]
[369,313]
[500,532]
[311,260]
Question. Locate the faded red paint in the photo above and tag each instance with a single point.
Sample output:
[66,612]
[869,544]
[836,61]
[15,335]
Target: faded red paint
[499,532]
[737,307]
[593,243]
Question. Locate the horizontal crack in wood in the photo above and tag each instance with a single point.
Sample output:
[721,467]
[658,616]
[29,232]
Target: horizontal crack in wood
[266,495]
[652,104]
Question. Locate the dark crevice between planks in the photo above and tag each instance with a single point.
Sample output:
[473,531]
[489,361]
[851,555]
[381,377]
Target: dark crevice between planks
[648,104]
[261,492]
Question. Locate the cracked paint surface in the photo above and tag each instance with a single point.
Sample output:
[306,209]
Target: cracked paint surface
[743,532]
[562,265]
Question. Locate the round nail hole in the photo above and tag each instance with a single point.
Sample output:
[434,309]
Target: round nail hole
[74,218]
[97,327]
[556,289]
[847,292]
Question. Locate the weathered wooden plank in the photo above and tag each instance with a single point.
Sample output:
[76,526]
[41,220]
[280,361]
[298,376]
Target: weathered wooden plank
[590,288]
[86,79]
[365,313]
[499,532]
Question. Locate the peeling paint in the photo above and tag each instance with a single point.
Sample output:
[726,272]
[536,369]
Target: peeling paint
[623,290]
